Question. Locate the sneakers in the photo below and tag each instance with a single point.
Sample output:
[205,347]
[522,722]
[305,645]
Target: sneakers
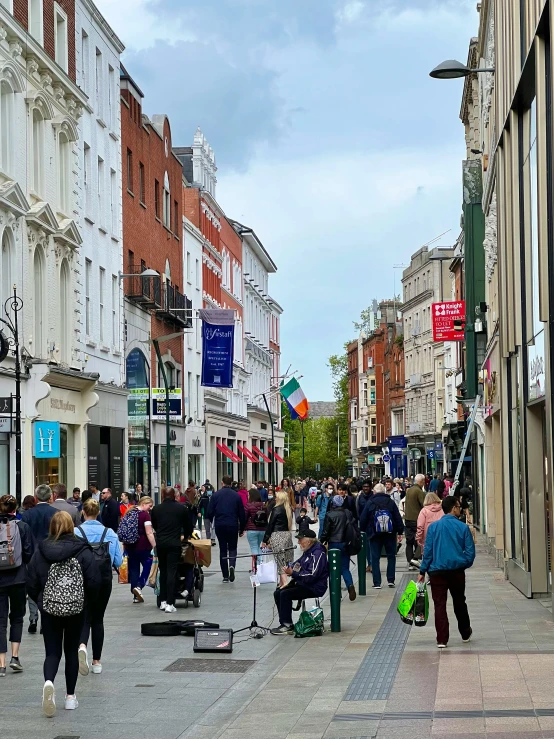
[213,542]
[415,562]
[441,646]
[83,661]
[283,629]
[137,592]
[411,568]
[16,665]
[225,579]
[48,699]
[96,669]
[71,702]
[170,609]
[352,592]
[32,627]
[2,672]
[376,587]
[464,640]
[391,585]
[163,605]
[231,574]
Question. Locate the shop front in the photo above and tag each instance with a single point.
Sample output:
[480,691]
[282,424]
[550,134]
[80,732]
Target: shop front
[225,432]
[195,448]
[397,451]
[138,420]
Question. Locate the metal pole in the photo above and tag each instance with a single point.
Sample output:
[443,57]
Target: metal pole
[17,403]
[362,560]
[303,465]
[465,445]
[335,556]
[273,472]
[167,428]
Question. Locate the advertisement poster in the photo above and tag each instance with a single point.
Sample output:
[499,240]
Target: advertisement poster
[159,404]
[449,320]
[218,338]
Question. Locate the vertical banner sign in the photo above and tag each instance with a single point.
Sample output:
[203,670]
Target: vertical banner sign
[218,339]
[449,320]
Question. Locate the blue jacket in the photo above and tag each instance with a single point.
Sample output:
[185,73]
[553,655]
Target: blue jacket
[312,570]
[379,502]
[226,509]
[94,530]
[323,503]
[38,519]
[361,502]
[448,546]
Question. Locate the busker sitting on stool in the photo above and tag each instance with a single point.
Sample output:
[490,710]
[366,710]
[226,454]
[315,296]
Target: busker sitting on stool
[310,575]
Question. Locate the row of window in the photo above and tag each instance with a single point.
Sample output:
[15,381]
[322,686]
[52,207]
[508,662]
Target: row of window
[162,199]
[233,285]
[95,199]
[94,67]
[418,284]
[106,296]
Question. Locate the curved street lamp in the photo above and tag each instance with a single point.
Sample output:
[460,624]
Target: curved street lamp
[453,70]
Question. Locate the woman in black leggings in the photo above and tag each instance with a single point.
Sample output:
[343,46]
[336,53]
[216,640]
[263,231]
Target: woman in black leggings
[62,633]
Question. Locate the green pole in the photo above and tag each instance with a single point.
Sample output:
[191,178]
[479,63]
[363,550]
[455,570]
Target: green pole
[362,559]
[334,587]
[167,426]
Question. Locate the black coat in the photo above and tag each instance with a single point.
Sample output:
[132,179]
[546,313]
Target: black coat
[304,523]
[17,575]
[110,514]
[278,521]
[170,521]
[226,510]
[334,526]
[350,505]
[50,551]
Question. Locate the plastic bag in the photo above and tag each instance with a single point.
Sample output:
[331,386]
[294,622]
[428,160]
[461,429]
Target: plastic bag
[421,605]
[310,623]
[267,572]
[123,576]
[406,603]
[153,573]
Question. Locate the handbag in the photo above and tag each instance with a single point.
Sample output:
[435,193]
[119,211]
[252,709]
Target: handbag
[123,574]
[406,604]
[267,571]
[310,623]
[153,573]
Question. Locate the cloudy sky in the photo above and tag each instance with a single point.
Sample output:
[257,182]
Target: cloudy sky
[331,140]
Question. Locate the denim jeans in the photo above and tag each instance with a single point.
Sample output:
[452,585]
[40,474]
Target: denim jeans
[345,562]
[136,560]
[255,539]
[376,544]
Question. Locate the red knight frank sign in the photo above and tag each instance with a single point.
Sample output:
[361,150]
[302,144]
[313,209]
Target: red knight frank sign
[449,320]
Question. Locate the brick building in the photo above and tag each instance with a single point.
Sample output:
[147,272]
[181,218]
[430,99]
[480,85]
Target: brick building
[393,377]
[155,306]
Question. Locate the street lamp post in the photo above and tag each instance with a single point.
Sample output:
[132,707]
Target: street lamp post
[13,305]
[454,70]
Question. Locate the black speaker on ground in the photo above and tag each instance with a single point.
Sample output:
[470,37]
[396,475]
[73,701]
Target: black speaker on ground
[213,640]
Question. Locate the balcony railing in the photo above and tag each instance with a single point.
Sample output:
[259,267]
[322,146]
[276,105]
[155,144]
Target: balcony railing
[143,290]
[175,307]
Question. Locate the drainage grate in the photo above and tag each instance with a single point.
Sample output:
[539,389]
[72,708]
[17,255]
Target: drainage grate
[210,665]
[420,715]
[376,674]
[63,736]
[143,685]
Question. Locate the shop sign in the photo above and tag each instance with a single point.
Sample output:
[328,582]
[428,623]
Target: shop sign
[5,425]
[218,339]
[138,403]
[449,320]
[46,438]
[159,401]
[370,459]
[6,405]
[537,375]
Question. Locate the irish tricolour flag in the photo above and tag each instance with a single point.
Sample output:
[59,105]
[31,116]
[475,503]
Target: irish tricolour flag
[295,399]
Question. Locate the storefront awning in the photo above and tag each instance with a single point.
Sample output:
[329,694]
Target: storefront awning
[261,454]
[229,453]
[247,453]
[276,457]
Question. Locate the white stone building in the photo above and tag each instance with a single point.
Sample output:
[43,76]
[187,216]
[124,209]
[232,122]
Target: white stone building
[98,52]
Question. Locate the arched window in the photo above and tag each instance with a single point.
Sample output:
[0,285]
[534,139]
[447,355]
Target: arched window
[167,203]
[37,152]
[64,173]
[7,256]
[65,313]
[39,307]
[170,374]
[137,371]
[6,118]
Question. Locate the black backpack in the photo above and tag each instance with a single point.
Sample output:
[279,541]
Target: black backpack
[101,551]
[259,519]
[353,536]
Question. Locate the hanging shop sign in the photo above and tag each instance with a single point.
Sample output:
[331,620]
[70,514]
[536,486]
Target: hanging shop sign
[46,439]
[449,320]
[218,339]
[138,404]
[159,404]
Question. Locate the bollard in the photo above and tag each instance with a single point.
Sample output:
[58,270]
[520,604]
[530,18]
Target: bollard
[335,556]
[362,559]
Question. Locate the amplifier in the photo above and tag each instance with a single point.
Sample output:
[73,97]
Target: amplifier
[213,640]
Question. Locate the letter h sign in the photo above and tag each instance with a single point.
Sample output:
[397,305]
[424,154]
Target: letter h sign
[46,439]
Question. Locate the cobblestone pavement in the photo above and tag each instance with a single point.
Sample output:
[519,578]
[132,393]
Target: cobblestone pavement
[499,685]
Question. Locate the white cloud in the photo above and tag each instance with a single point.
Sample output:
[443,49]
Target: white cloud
[350,12]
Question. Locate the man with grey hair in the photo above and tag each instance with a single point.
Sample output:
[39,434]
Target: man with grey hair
[382,522]
[415,497]
[60,503]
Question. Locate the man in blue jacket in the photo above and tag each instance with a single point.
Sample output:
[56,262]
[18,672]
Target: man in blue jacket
[226,512]
[449,551]
[382,522]
[309,575]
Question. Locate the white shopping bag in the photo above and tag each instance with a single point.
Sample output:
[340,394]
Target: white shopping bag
[267,571]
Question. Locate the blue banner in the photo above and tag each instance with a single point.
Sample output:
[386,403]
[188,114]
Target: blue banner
[218,340]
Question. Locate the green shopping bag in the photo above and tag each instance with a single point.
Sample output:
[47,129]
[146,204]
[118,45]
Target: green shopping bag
[406,604]
[310,623]
[421,605]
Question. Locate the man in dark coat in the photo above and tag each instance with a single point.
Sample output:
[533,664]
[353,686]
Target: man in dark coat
[110,510]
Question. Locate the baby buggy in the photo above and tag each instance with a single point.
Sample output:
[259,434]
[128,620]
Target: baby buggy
[190,578]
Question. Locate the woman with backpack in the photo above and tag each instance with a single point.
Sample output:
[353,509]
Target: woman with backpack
[62,577]
[256,524]
[16,549]
[136,533]
[107,550]
[335,533]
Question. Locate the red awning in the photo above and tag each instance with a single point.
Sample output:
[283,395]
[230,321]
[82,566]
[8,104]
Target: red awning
[275,455]
[261,454]
[229,453]
[247,453]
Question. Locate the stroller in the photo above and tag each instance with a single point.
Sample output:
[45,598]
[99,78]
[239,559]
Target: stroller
[190,577]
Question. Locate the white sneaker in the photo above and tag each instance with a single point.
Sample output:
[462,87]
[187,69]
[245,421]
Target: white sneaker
[96,669]
[137,592]
[83,661]
[49,699]
[71,702]
[441,646]
[163,605]
[170,609]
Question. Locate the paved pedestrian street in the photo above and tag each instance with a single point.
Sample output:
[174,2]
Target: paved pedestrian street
[499,685]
